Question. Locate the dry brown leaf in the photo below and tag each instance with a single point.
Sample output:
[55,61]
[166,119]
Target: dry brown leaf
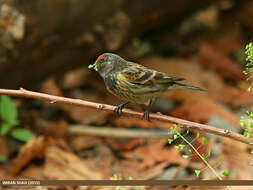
[153,171]
[33,172]
[155,152]
[130,167]
[64,165]
[214,59]
[34,148]
[129,144]
[237,97]
[103,159]
[81,142]
[201,147]
[200,111]
[57,129]
[238,159]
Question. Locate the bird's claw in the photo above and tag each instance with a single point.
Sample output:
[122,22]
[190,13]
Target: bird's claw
[146,115]
[119,108]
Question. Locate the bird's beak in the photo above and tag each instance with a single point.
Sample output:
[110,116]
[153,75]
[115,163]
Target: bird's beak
[94,66]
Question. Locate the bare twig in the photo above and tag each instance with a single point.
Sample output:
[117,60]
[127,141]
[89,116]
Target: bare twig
[127,112]
[116,132]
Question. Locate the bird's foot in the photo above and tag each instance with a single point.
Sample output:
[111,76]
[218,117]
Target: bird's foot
[119,108]
[146,115]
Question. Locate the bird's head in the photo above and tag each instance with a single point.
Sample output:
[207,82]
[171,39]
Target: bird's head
[106,63]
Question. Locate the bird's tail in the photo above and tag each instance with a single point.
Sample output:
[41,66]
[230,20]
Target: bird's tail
[184,86]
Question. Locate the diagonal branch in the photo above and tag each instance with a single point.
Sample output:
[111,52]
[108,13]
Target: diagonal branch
[127,112]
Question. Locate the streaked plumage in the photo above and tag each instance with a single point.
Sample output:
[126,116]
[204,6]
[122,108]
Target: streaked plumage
[133,82]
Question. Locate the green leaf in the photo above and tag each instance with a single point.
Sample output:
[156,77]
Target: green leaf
[198,135]
[175,127]
[175,137]
[204,139]
[243,123]
[181,146]
[226,173]
[170,141]
[188,131]
[245,133]
[5,128]
[177,148]
[130,178]
[203,157]
[251,152]
[185,156]
[3,159]
[197,172]
[251,115]
[249,135]
[8,110]
[21,134]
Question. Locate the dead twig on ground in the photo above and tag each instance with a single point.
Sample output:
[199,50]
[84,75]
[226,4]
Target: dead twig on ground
[116,132]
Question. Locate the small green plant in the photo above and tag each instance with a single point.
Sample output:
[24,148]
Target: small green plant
[246,122]
[178,135]
[249,63]
[119,177]
[226,173]
[9,114]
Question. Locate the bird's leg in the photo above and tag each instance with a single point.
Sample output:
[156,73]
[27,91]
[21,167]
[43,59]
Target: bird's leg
[146,115]
[146,111]
[118,109]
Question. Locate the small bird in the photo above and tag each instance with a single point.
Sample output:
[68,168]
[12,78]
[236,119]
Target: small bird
[133,82]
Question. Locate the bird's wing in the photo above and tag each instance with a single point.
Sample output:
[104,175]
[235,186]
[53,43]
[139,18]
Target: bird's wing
[138,74]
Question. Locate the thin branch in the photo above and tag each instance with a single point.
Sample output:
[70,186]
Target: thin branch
[127,112]
[116,132]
